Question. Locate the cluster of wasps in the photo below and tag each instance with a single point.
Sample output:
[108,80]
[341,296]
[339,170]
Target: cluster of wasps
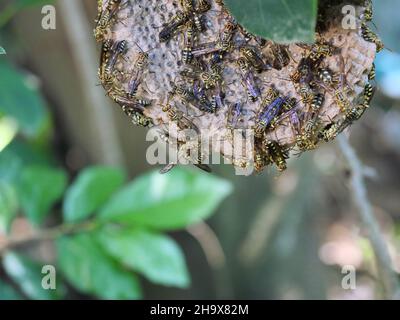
[312,80]
[201,84]
[112,53]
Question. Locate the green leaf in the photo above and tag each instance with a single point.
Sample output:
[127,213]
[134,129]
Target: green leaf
[10,165]
[28,275]
[90,190]
[169,201]
[39,189]
[7,292]
[2,50]
[154,255]
[283,21]
[90,270]
[20,100]
[17,155]
[8,205]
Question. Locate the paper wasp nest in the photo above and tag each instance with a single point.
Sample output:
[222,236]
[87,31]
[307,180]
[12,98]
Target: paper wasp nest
[187,65]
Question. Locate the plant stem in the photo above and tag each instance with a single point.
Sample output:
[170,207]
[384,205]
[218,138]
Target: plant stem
[360,196]
[46,234]
[78,31]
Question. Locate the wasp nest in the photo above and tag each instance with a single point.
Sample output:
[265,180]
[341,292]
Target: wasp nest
[187,65]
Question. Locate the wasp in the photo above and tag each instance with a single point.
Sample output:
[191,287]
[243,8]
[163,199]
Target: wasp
[253,92]
[194,14]
[268,115]
[227,35]
[205,48]
[138,69]
[105,18]
[369,92]
[319,51]
[306,93]
[311,124]
[271,95]
[235,112]
[368,11]
[281,55]
[277,154]
[327,77]
[294,121]
[254,59]
[353,114]
[187,5]
[198,22]
[187,55]
[189,75]
[173,25]
[306,142]
[330,131]
[170,166]
[317,102]
[200,96]
[189,10]
[307,139]
[141,120]
[247,35]
[133,109]
[372,73]
[203,6]
[341,99]
[118,49]
[217,101]
[303,73]
[289,104]
[260,161]
[182,92]
[133,86]
[137,117]
[178,117]
[370,36]
[210,79]
[106,49]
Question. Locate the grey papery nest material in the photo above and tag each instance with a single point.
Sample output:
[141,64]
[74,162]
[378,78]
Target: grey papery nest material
[139,23]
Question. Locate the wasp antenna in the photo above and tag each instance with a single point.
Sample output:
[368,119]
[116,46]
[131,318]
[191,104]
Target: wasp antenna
[138,46]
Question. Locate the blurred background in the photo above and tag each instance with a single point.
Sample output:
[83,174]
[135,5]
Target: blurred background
[276,236]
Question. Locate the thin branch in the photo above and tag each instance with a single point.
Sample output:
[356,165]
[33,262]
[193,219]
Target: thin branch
[215,256]
[15,242]
[84,54]
[360,197]
[261,230]
[209,243]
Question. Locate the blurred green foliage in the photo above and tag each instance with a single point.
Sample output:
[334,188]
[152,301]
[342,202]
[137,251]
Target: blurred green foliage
[19,99]
[28,274]
[108,232]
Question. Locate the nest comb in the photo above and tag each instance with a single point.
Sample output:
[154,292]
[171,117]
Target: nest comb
[138,24]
